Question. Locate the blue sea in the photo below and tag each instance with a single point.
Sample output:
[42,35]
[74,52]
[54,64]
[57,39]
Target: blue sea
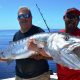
[7,70]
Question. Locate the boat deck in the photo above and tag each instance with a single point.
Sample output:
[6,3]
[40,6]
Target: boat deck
[53,77]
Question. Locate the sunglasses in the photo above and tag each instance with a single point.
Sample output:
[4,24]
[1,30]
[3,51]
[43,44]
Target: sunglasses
[24,16]
[72,16]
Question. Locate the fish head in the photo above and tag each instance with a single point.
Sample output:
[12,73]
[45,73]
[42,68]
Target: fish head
[59,41]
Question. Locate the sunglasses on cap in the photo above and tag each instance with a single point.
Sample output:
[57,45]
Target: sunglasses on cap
[72,16]
[24,16]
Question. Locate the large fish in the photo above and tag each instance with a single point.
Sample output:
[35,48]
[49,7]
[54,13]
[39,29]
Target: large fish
[63,48]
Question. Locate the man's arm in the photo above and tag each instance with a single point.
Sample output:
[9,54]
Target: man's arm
[3,59]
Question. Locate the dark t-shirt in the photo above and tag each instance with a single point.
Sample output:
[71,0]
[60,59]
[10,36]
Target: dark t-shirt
[28,68]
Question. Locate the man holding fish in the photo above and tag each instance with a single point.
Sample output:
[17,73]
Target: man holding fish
[34,67]
[71,19]
[30,68]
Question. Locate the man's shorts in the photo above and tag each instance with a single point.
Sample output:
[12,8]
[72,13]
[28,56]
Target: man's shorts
[44,76]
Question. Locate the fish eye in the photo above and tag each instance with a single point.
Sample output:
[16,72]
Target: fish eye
[66,38]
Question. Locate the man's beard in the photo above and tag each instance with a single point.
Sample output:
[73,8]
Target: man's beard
[70,27]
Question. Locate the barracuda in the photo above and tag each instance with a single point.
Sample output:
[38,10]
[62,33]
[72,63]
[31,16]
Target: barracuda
[63,48]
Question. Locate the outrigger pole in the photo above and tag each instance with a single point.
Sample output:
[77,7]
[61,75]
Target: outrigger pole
[42,17]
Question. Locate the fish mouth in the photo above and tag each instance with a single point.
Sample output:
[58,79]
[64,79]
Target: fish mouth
[73,48]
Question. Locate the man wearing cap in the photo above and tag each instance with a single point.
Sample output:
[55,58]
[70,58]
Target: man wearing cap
[71,19]
[29,68]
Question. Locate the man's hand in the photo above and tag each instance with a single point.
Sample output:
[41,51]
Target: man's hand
[3,59]
[32,45]
[40,53]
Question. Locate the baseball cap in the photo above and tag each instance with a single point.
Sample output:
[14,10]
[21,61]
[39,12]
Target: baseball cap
[73,11]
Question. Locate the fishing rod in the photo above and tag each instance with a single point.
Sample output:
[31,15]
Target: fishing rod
[42,17]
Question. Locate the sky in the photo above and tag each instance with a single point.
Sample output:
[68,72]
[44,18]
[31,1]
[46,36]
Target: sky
[52,10]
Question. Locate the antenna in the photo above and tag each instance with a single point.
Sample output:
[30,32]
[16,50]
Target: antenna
[42,17]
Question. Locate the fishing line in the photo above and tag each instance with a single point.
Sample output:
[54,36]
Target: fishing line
[42,16]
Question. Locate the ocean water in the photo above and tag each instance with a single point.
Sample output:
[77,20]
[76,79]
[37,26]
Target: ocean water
[7,69]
